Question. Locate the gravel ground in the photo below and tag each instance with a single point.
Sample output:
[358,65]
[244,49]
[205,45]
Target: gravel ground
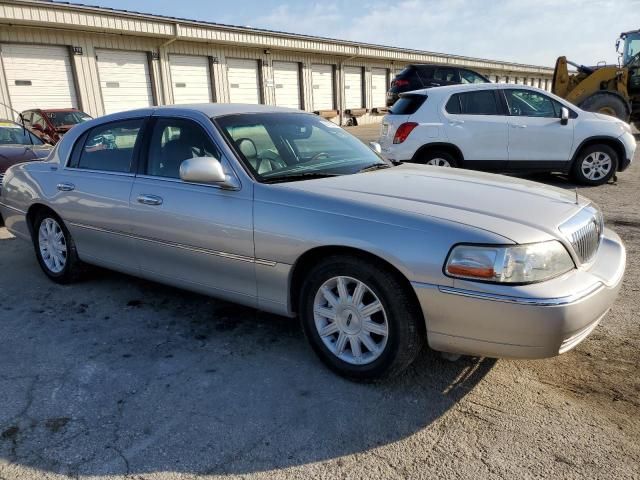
[118,377]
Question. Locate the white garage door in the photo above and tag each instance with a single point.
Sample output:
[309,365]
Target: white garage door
[39,77]
[244,86]
[190,79]
[353,87]
[378,87]
[322,80]
[125,82]
[286,77]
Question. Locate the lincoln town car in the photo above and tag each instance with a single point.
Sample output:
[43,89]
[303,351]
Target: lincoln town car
[286,212]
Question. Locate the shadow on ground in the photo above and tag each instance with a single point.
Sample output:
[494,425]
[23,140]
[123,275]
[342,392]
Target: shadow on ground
[122,376]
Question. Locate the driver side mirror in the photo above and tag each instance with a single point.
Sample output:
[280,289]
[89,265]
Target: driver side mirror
[564,116]
[206,170]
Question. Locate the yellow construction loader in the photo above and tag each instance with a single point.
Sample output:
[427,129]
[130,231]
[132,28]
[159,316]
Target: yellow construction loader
[609,89]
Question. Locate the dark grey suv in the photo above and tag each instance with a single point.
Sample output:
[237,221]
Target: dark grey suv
[416,77]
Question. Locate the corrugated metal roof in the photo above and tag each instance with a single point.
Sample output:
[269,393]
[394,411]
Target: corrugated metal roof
[275,33]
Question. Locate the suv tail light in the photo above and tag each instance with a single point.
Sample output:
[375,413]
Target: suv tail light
[400,82]
[403,132]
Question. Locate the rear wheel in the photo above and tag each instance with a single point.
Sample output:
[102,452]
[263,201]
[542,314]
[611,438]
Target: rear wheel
[55,249]
[595,165]
[439,159]
[359,318]
[607,104]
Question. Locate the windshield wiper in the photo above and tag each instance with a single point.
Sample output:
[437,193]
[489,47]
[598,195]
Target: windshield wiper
[374,166]
[298,176]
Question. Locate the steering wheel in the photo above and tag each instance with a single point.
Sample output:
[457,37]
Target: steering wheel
[318,156]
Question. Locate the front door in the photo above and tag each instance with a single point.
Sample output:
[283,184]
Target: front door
[191,235]
[93,192]
[537,137]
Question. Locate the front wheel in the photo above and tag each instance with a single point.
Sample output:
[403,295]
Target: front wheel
[55,249]
[360,319]
[595,165]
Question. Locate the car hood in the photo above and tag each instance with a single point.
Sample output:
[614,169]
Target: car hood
[519,210]
[12,154]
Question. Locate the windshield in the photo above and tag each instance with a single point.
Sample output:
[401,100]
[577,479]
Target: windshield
[631,46]
[290,146]
[61,119]
[14,134]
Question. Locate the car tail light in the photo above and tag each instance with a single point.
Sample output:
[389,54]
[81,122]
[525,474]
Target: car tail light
[403,132]
[400,82]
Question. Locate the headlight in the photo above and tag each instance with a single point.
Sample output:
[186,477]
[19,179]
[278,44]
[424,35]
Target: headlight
[530,263]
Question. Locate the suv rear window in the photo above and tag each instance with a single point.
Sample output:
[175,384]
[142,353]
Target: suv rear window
[407,104]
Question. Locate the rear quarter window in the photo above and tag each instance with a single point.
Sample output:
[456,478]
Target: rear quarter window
[408,104]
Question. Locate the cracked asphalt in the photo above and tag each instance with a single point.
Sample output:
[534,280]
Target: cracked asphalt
[117,377]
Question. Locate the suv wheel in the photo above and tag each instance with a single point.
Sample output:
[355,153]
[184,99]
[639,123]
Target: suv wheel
[439,159]
[359,318]
[55,249]
[595,165]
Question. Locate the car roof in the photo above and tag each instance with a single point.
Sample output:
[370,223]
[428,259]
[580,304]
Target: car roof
[469,87]
[211,110]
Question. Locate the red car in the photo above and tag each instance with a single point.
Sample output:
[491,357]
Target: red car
[51,124]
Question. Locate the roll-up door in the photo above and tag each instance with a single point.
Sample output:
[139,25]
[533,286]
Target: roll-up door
[286,79]
[190,79]
[244,85]
[125,81]
[379,87]
[353,87]
[322,80]
[39,76]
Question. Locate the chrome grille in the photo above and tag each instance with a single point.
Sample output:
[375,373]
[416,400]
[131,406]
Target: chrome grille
[584,232]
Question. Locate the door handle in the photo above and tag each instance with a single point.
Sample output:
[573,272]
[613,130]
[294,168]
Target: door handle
[456,122]
[518,125]
[149,199]
[65,187]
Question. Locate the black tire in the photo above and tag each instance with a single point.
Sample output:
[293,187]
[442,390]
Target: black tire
[406,333]
[607,103]
[578,172]
[72,269]
[436,155]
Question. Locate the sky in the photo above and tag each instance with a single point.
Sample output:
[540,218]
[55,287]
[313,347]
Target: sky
[524,31]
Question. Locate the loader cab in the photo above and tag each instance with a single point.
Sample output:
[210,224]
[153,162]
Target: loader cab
[630,56]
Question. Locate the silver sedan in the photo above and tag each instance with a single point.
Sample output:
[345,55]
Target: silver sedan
[286,212]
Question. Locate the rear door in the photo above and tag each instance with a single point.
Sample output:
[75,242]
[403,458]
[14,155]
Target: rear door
[475,123]
[536,133]
[94,189]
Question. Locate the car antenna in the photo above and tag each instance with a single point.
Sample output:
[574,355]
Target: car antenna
[24,127]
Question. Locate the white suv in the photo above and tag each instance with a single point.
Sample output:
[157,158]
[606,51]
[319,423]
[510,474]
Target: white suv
[506,128]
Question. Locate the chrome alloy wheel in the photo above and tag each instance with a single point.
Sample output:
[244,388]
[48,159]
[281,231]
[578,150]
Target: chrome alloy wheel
[596,165]
[52,245]
[350,320]
[439,162]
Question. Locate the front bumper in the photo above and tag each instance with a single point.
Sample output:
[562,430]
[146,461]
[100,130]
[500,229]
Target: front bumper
[629,142]
[525,324]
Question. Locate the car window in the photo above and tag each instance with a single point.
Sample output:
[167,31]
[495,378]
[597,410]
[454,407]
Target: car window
[482,102]
[527,103]
[14,134]
[467,76]
[445,75]
[37,120]
[173,141]
[407,104]
[110,147]
[284,147]
[453,105]
[61,119]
